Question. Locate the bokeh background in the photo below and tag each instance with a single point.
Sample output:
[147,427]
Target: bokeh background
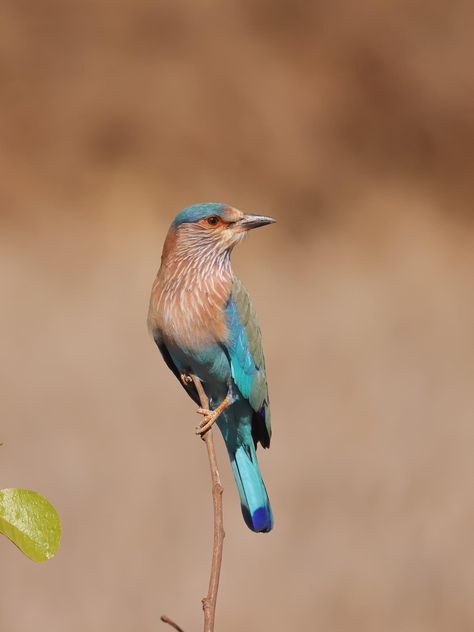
[353,125]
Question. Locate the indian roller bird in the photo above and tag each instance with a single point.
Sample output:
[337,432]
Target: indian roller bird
[204,324]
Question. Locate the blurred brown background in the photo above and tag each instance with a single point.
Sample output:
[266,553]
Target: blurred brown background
[353,124]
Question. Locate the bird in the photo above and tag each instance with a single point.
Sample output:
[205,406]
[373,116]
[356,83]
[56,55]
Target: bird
[203,322]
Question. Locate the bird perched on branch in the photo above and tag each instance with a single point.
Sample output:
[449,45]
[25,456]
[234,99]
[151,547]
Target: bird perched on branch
[204,324]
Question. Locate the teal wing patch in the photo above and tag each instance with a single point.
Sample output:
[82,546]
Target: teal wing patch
[247,360]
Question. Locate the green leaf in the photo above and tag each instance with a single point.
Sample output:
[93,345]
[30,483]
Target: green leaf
[31,522]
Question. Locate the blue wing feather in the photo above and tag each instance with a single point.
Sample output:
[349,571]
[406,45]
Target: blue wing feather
[247,363]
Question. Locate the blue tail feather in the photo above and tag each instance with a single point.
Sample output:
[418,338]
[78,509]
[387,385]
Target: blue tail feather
[254,500]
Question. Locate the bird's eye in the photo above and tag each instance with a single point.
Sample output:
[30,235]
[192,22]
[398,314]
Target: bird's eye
[213,220]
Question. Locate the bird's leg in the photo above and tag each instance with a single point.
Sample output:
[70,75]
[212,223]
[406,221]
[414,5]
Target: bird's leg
[186,379]
[210,416]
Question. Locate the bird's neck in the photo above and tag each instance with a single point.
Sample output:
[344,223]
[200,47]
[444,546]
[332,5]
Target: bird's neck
[187,265]
[189,296]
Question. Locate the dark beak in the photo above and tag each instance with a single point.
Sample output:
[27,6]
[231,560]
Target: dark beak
[249,221]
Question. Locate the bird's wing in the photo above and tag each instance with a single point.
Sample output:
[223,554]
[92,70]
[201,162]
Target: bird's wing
[190,388]
[245,351]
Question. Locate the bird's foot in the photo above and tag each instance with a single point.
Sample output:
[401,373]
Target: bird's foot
[210,416]
[186,379]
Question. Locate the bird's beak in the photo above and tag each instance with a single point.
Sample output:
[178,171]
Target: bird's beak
[249,221]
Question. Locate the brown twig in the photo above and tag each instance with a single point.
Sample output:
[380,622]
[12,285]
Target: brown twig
[170,622]
[210,600]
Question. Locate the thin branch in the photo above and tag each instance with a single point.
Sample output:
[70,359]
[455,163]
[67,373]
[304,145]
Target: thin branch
[210,600]
[170,622]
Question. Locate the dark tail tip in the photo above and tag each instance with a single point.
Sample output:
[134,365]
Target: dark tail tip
[260,521]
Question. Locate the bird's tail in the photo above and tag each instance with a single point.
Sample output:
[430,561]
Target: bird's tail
[254,500]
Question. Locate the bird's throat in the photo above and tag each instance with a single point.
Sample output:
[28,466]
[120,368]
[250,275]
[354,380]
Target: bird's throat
[190,297]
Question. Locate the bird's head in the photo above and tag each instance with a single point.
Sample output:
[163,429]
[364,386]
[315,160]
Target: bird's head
[213,227]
